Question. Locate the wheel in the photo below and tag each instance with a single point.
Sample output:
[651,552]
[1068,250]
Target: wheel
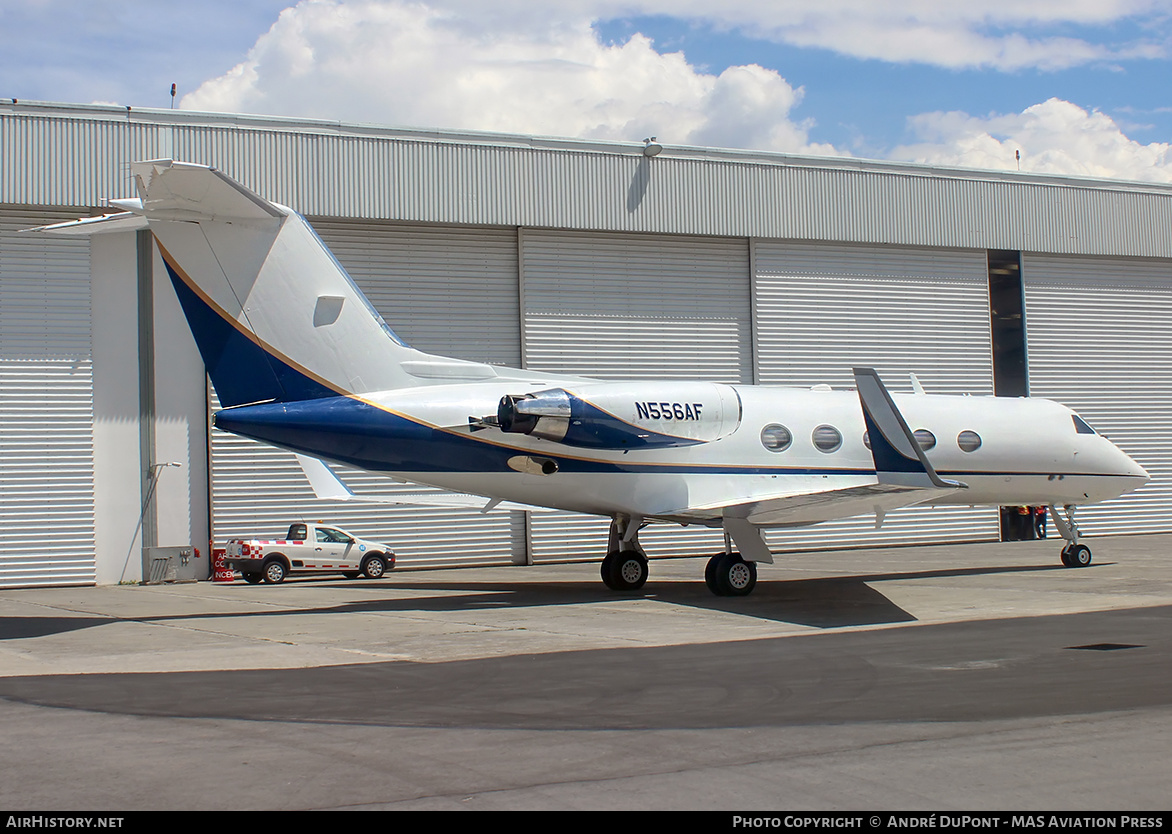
[710,574]
[373,567]
[731,576]
[274,571]
[606,568]
[1076,556]
[253,578]
[739,577]
[627,571]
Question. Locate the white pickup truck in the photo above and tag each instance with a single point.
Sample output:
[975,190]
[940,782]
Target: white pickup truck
[308,548]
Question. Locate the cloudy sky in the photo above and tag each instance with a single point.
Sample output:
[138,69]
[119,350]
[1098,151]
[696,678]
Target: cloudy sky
[1077,86]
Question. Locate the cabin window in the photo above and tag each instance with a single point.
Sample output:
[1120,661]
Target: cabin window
[1081,426]
[968,441]
[776,437]
[925,438]
[827,439]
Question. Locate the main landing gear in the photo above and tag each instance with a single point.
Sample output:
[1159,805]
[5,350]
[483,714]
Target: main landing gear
[1074,555]
[728,575]
[625,567]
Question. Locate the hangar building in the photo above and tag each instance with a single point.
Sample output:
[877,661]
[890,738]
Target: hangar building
[589,257]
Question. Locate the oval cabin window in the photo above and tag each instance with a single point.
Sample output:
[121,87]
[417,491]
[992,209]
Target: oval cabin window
[968,441]
[827,438]
[776,438]
[925,438]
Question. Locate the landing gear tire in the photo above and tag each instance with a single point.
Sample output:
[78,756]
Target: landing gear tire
[710,574]
[274,571]
[728,575]
[374,567]
[625,570]
[253,578]
[1076,556]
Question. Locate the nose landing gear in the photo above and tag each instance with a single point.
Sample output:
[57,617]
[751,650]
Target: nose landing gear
[1074,555]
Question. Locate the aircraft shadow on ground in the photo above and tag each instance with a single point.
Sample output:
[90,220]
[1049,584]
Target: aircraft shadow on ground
[823,602]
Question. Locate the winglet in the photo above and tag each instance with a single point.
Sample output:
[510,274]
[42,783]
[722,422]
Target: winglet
[898,457]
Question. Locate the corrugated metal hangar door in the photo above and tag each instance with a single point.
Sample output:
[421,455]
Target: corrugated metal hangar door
[822,309]
[623,306]
[46,405]
[1099,337]
[445,290]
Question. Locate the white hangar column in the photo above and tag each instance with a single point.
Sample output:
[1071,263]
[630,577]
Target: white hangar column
[175,420]
[150,404]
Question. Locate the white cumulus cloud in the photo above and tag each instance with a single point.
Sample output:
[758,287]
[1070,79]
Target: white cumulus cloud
[518,66]
[436,66]
[1054,137]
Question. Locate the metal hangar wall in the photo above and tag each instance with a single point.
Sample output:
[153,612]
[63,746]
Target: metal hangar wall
[556,254]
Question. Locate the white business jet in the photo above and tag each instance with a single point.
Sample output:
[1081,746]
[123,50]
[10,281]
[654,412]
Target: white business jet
[301,360]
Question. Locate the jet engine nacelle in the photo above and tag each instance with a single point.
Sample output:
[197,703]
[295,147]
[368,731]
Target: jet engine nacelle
[623,415]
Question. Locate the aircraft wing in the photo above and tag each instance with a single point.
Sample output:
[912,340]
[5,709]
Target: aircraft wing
[811,508]
[327,486]
[798,508]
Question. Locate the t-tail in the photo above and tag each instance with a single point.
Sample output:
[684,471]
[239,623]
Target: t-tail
[275,316]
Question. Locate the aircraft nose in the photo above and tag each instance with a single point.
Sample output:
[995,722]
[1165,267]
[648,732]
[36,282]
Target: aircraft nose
[1130,467]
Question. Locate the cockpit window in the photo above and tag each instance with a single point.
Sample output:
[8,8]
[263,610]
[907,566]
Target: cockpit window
[1080,425]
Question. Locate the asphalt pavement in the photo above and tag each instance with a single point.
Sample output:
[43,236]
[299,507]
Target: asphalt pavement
[959,678]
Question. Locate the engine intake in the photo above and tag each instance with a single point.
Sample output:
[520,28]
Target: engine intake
[543,414]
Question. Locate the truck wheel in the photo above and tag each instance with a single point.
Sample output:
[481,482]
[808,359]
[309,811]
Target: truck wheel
[374,567]
[252,578]
[274,571]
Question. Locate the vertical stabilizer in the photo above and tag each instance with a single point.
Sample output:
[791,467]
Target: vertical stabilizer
[275,315]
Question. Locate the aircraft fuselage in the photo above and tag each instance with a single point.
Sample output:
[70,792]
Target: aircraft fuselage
[1027,451]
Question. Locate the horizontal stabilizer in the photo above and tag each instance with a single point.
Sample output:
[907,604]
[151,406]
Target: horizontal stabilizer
[123,221]
[182,191]
[327,486]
